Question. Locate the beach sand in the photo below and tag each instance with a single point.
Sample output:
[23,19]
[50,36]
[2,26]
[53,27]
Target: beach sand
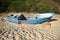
[45,31]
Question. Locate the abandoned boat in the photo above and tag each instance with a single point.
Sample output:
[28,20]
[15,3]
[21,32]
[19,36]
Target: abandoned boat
[32,18]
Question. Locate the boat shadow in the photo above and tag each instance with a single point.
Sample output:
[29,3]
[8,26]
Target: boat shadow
[52,20]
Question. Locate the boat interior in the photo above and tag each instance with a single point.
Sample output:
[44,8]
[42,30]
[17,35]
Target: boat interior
[32,16]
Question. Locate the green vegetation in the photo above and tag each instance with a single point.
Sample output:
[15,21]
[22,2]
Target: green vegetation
[31,6]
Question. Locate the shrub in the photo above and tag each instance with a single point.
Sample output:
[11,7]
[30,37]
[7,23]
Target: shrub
[32,6]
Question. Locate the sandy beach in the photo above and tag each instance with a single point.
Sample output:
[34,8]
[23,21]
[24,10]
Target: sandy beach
[10,31]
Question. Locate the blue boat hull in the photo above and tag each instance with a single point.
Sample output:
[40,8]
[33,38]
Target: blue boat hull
[31,21]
